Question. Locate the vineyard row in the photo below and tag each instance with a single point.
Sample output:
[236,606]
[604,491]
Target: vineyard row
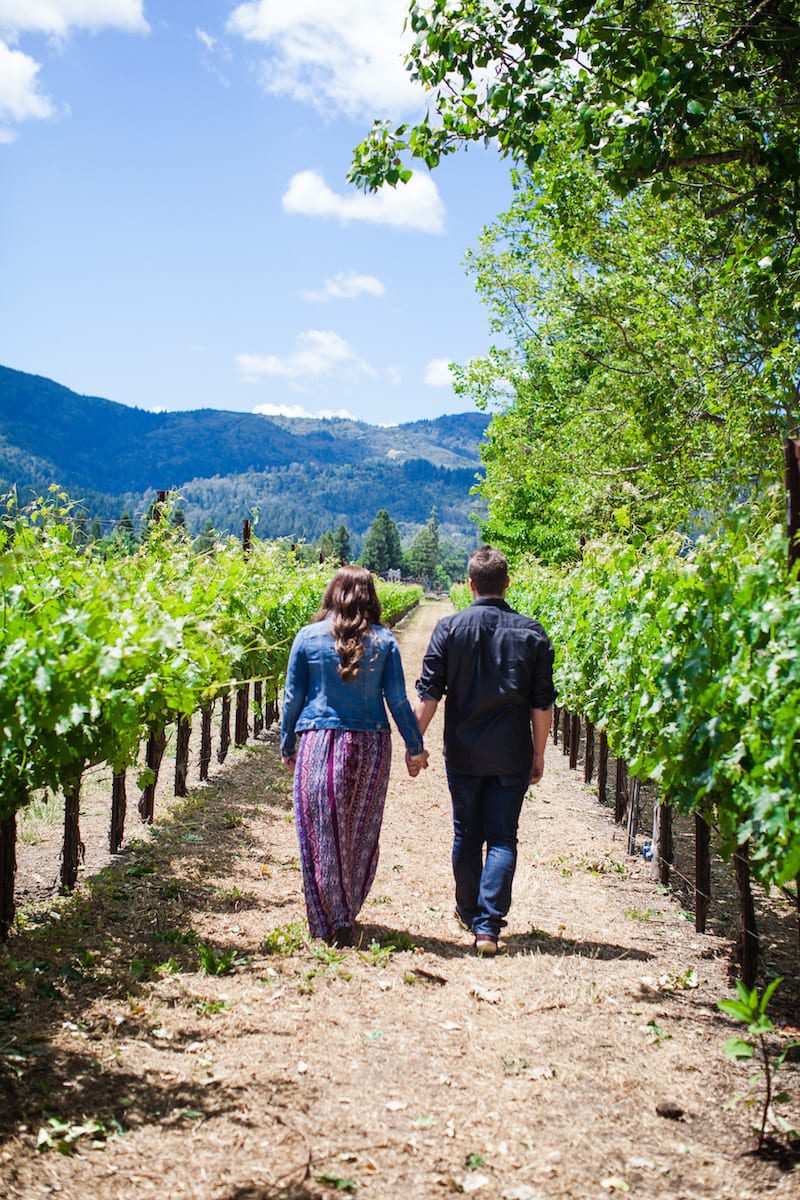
[100,652]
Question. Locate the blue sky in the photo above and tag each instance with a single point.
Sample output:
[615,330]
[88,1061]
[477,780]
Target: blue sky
[175,229]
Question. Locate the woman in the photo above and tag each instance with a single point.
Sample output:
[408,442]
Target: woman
[340,669]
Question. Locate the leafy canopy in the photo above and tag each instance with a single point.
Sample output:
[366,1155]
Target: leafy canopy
[701,97]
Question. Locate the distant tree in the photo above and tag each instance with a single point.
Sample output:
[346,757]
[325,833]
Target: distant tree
[178,518]
[206,538]
[327,546]
[97,529]
[126,534]
[422,560]
[341,545]
[452,562]
[382,551]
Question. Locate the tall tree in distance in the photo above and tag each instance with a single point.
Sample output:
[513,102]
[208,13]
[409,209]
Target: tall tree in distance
[422,560]
[382,551]
[327,547]
[341,546]
[207,537]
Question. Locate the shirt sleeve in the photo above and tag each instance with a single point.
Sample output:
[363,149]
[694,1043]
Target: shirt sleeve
[432,682]
[393,684]
[543,693]
[294,695]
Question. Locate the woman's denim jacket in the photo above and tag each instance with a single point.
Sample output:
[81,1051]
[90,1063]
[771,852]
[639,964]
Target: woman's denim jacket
[316,696]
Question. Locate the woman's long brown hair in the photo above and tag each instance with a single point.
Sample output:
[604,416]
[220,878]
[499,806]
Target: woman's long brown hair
[352,603]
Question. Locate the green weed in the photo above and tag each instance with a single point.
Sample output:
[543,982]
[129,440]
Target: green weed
[219,962]
[63,1136]
[211,1008]
[642,914]
[286,939]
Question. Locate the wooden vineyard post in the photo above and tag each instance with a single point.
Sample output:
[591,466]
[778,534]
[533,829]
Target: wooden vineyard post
[588,762]
[633,814]
[565,731]
[182,740]
[602,768]
[224,728]
[119,807]
[205,738]
[241,728]
[73,850]
[663,852]
[748,930]
[702,873]
[791,461]
[620,790]
[574,740]
[8,871]
[154,752]
[556,719]
[258,708]
[247,538]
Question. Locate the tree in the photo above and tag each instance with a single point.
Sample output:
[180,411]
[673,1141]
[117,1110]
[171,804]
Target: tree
[690,98]
[382,551]
[126,534]
[207,537]
[634,388]
[341,545]
[422,560]
[326,546]
[178,518]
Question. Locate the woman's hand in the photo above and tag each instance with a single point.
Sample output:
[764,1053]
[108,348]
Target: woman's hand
[289,761]
[416,763]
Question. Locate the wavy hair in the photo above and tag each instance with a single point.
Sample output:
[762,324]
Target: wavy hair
[352,603]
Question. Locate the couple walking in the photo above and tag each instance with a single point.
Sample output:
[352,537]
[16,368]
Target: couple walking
[495,668]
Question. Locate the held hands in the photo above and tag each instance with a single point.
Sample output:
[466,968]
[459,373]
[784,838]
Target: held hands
[289,761]
[416,763]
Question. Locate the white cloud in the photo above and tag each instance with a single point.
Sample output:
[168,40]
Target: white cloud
[346,285]
[58,17]
[208,41]
[20,98]
[297,410]
[438,374]
[317,352]
[341,414]
[339,55]
[394,376]
[414,205]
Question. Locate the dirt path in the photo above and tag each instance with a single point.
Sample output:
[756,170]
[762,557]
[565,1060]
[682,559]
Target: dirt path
[384,1071]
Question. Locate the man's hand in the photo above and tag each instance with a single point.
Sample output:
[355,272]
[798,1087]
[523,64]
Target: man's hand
[416,763]
[289,761]
[537,769]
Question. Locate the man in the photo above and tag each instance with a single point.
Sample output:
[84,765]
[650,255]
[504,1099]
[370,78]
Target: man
[496,668]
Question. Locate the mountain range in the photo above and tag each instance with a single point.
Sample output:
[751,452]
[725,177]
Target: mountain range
[301,475]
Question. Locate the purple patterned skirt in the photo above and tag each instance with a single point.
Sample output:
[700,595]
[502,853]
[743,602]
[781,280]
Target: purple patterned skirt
[340,786]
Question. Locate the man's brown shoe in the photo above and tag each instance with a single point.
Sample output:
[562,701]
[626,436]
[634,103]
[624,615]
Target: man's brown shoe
[486,945]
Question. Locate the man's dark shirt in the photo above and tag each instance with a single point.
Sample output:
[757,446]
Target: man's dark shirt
[494,665]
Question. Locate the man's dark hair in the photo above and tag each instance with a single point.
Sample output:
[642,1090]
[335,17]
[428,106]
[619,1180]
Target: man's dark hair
[488,570]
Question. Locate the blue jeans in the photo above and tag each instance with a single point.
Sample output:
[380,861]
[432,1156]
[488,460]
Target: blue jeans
[486,809]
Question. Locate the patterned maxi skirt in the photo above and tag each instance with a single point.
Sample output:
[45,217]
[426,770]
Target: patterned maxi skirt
[340,786]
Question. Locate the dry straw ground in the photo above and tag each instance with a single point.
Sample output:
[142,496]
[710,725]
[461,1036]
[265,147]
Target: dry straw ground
[404,1067]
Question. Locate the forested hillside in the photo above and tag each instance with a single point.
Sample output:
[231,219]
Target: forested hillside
[303,476]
